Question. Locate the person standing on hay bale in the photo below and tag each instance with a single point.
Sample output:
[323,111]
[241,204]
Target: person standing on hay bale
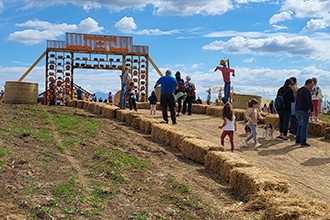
[191,95]
[317,98]
[252,115]
[226,78]
[304,106]
[168,86]
[179,94]
[228,125]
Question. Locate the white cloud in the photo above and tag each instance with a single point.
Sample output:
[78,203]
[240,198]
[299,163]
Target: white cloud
[285,15]
[37,31]
[126,25]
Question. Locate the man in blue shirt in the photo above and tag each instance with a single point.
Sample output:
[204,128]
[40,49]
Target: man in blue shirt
[168,85]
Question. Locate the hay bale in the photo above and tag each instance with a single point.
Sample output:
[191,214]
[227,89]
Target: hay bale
[214,110]
[73,103]
[109,111]
[121,114]
[160,131]
[176,136]
[327,133]
[317,128]
[91,107]
[241,100]
[142,105]
[199,109]
[196,149]
[222,163]
[130,117]
[282,206]
[86,104]
[146,124]
[246,181]
[80,103]
[98,108]
[239,114]
[272,119]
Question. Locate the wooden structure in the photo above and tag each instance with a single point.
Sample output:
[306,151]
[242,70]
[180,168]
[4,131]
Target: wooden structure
[85,51]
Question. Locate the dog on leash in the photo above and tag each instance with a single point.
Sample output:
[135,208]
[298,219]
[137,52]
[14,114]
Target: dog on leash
[268,131]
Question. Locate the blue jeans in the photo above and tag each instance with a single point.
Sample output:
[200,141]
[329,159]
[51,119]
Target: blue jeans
[122,102]
[253,133]
[226,92]
[302,118]
[284,116]
[188,101]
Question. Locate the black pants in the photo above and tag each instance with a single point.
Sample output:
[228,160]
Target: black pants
[167,99]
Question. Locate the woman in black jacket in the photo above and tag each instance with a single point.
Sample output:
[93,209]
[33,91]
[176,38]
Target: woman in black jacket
[284,113]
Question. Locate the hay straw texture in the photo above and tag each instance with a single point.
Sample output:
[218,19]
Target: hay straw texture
[159,131]
[121,114]
[142,105]
[86,104]
[143,123]
[283,206]
[109,111]
[214,110]
[317,128]
[196,149]
[98,108]
[246,181]
[222,163]
[80,104]
[130,118]
[199,108]
[91,107]
[327,133]
[73,103]
[241,100]
[239,114]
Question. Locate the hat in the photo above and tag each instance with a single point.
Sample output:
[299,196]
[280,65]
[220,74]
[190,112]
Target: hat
[168,72]
[222,62]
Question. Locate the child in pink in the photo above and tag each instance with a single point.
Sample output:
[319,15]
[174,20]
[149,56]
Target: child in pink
[228,125]
[316,98]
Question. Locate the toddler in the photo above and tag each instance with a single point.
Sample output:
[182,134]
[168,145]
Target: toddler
[153,101]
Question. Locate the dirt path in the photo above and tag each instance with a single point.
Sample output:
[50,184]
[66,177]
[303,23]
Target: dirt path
[306,168]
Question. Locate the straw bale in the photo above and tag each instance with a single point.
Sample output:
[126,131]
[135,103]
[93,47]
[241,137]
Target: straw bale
[282,206]
[160,131]
[146,124]
[86,104]
[199,108]
[272,119]
[121,114]
[91,107]
[80,104]
[109,111]
[98,108]
[196,149]
[142,105]
[177,135]
[222,163]
[327,133]
[239,114]
[246,181]
[214,110]
[130,117]
[241,100]
[73,103]
[317,128]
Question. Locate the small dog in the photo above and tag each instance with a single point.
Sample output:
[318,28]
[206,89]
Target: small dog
[268,132]
[247,129]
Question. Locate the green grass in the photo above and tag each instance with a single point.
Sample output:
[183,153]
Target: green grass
[3,152]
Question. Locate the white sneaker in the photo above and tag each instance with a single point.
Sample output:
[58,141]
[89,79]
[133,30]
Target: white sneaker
[245,144]
[257,145]
[316,119]
[310,119]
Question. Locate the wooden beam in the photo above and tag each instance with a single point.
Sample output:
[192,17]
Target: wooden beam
[31,67]
[154,65]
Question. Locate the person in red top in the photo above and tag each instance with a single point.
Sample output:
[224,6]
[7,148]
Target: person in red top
[226,78]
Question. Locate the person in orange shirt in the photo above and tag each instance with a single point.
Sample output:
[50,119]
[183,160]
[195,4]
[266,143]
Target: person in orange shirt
[226,78]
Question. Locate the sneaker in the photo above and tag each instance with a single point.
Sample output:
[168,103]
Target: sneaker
[305,145]
[310,119]
[257,145]
[285,139]
[279,138]
[245,144]
[316,119]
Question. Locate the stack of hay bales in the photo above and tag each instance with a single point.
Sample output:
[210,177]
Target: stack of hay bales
[317,128]
[241,100]
[199,109]
[272,119]
[214,110]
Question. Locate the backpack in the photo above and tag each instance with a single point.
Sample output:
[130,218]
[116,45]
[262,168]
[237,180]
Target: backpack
[190,89]
[279,101]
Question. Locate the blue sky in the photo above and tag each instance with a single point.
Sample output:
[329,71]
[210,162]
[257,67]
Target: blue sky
[267,41]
